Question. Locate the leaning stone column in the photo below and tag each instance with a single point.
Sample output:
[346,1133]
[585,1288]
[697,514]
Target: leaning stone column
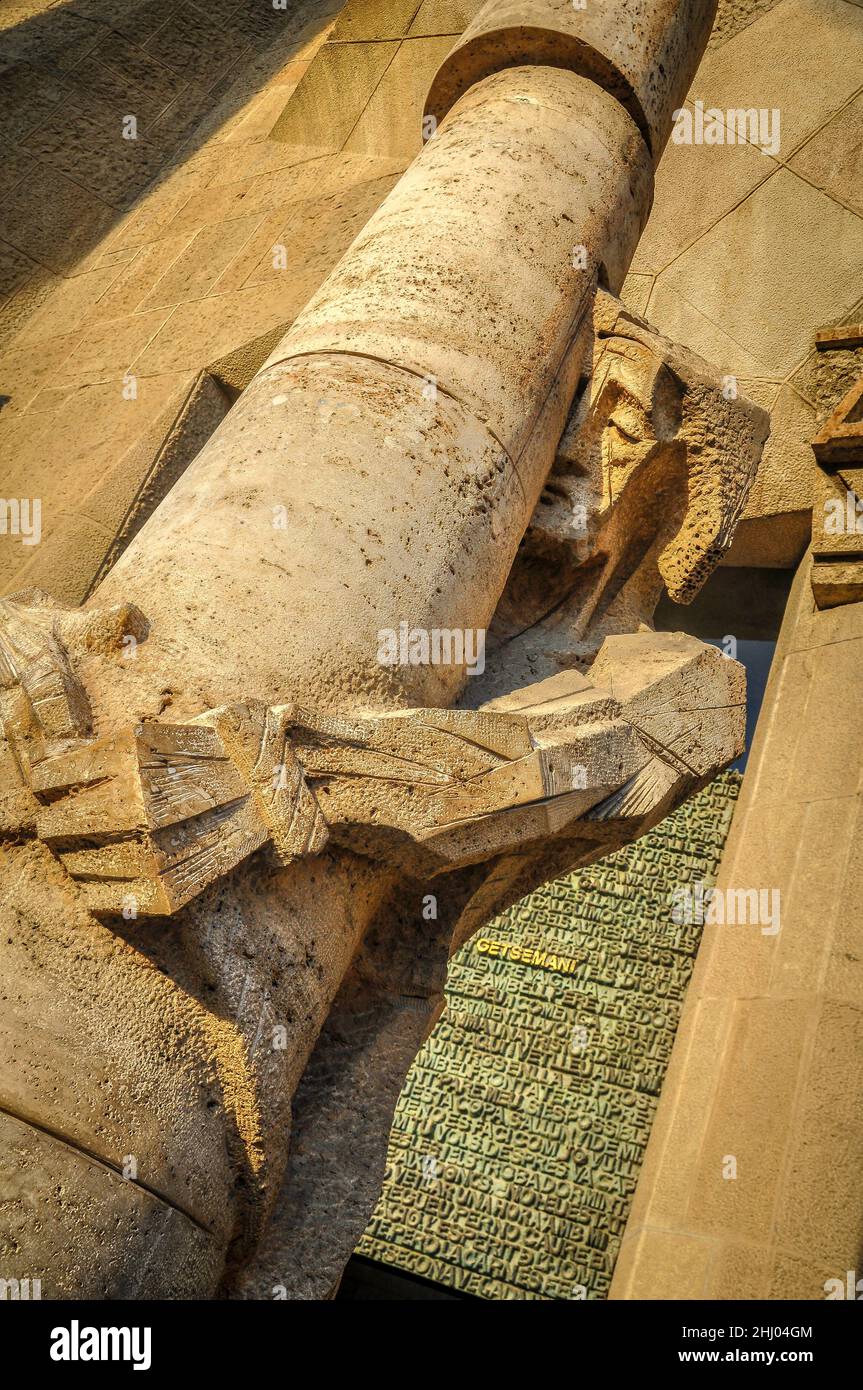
[408,420]
[752,1186]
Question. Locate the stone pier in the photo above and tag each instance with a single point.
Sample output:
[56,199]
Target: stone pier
[752,1185]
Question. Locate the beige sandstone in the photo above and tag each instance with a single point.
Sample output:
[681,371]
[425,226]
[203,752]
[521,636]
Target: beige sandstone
[223,690]
[224,813]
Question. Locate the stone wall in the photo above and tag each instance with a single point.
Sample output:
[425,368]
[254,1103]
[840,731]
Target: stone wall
[751,1186]
[244,140]
[747,254]
[108,317]
[139,291]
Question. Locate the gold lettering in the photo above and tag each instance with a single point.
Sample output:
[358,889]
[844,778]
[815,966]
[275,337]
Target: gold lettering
[506,950]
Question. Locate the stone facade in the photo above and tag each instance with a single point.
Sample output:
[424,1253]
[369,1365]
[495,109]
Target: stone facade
[246,243]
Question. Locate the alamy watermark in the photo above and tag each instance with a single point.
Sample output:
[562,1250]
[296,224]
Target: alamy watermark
[697,904]
[20,1290]
[437,646]
[21,517]
[759,126]
[77,1343]
[850,1287]
[843,516]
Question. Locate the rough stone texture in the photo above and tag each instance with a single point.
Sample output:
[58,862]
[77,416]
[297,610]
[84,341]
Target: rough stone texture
[837,548]
[470,456]
[774,336]
[299,925]
[73,78]
[653,414]
[518,1137]
[734,15]
[333,95]
[77,533]
[155,1244]
[642,51]
[80,427]
[199,245]
[144,820]
[766,1065]
[715,271]
[366,88]
[830,159]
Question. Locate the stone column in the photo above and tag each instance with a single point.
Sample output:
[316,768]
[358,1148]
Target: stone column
[766,1076]
[385,462]
[382,466]
[407,422]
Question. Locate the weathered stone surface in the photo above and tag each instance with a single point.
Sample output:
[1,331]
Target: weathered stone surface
[766,1063]
[837,516]
[641,51]
[146,819]
[330,97]
[746,271]
[652,415]
[465,283]
[840,439]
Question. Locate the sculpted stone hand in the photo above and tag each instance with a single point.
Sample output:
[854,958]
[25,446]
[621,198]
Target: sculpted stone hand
[227,818]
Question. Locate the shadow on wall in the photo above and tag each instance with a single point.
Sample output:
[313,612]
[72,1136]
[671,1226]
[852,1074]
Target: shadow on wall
[740,611]
[100,99]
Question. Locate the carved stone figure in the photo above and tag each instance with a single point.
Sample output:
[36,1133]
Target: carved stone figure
[272,773]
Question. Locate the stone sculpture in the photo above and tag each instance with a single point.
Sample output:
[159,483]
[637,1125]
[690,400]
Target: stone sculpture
[838,448]
[241,840]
